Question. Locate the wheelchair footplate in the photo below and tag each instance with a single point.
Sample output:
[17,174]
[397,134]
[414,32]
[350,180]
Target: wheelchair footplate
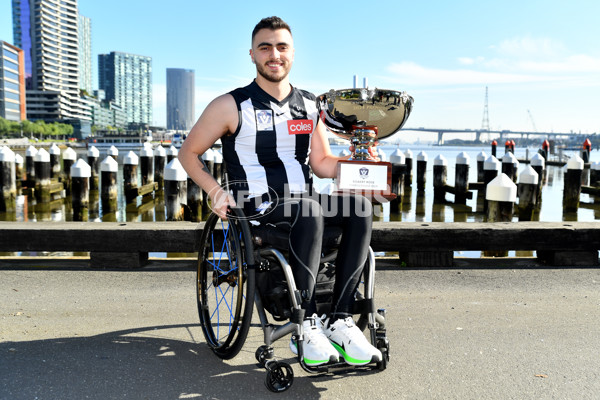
[280,375]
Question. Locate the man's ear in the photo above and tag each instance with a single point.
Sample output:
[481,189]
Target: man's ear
[252,57]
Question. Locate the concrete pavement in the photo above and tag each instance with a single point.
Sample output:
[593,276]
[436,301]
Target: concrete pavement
[75,333]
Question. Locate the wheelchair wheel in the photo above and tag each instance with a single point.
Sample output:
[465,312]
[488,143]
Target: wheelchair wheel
[280,376]
[225,286]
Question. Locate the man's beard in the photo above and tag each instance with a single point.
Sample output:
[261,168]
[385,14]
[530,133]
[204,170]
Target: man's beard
[262,71]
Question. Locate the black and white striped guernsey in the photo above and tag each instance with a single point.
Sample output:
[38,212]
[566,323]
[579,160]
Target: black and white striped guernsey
[269,150]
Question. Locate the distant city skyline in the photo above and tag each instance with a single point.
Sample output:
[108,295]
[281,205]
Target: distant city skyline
[539,59]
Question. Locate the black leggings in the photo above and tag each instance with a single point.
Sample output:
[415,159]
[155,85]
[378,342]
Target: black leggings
[307,217]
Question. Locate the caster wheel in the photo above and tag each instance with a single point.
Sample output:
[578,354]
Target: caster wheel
[280,376]
[383,345]
[262,354]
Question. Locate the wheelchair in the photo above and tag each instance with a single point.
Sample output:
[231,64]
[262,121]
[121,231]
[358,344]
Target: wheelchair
[240,265]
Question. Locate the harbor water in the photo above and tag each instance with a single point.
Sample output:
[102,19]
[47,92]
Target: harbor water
[551,207]
[416,207]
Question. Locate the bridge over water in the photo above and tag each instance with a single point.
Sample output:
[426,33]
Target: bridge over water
[501,135]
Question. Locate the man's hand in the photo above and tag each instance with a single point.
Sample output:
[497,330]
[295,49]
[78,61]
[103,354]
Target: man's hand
[221,201]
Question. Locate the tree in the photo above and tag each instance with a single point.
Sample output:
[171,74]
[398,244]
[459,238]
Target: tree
[4,127]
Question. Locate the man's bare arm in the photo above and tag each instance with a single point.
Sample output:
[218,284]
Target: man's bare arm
[219,118]
[322,162]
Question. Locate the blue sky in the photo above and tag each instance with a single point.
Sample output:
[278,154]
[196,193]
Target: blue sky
[541,56]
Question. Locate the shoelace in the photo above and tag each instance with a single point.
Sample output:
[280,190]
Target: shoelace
[352,332]
[315,332]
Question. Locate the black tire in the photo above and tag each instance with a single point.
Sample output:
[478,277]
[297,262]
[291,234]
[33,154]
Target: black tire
[280,376]
[224,286]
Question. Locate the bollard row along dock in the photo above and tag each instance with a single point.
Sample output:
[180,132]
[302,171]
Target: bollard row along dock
[417,244]
[152,176]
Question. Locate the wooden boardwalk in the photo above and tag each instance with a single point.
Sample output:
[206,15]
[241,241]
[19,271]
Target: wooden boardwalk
[417,243]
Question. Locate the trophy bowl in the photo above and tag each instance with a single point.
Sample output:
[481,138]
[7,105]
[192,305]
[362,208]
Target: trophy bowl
[360,114]
[364,116]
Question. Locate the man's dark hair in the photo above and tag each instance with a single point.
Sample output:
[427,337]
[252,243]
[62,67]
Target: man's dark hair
[272,23]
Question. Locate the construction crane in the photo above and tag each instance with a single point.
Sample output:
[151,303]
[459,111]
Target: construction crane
[531,119]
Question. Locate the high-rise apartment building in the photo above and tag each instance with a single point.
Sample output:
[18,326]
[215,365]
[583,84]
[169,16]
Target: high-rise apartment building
[180,98]
[127,80]
[85,54]
[12,82]
[47,31]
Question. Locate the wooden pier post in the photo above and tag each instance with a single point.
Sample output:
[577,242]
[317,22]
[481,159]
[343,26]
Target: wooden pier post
[397,159]
[30,164]
[19,171]
[421,171]
[208,158]
[93,160]
[69,156]
[130,176]
[461,178]
[160,155]
[494,146]
[147,164]
[54,152]
[94,203]
[510,165]
[440,173]
[43,174]
[175,190]
[481,157]
[585,152]
[113,152]
[538,163]
[108,184]
[80,173]
[572,185]
[595,174]
[194,202]
[501,194]
[172,153]
[545,149]
[527,192]
[491,168]
[408,162]
[8,180]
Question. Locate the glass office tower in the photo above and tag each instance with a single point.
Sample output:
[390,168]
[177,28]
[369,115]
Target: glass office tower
[180,99]
[85,54]
[127,80]
[12,82]
[47,31]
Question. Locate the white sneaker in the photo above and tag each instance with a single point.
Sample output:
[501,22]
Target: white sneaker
[350,342]
[317,348]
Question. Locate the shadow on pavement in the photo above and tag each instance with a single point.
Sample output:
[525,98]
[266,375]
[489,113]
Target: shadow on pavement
[133,364]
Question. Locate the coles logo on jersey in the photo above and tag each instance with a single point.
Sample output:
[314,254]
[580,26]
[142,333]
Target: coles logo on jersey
[300,126]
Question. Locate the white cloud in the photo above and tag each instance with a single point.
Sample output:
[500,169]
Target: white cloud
[517,60]
[420,75]
[528,46]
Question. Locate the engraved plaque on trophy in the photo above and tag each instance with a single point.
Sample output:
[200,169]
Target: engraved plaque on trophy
[364,116]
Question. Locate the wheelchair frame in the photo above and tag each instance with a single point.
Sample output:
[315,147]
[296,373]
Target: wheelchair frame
[227,265]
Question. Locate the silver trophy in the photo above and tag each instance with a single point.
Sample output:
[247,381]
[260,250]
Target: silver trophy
[364,116]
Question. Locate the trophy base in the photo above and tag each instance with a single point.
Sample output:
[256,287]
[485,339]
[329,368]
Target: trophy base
[374,197]
[371,179]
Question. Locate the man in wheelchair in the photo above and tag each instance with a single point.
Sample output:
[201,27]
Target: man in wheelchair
[273,140]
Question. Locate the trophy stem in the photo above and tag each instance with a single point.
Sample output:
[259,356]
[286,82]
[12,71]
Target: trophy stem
[362,139]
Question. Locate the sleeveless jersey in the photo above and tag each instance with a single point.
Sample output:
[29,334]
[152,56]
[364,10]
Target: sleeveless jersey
[269,150]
